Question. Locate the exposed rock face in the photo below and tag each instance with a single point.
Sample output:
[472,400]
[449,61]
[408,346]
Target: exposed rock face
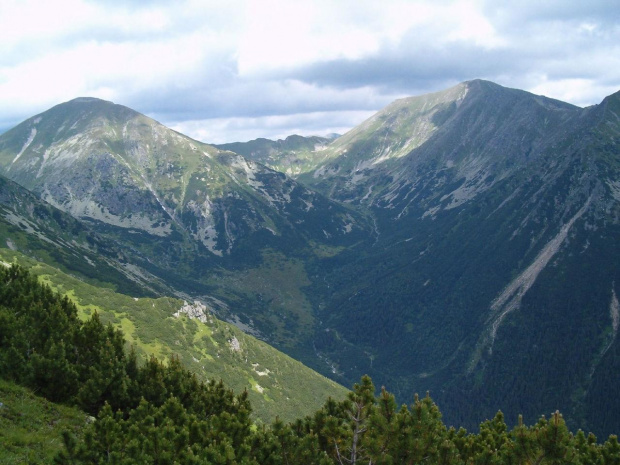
[234,344]
[197,311]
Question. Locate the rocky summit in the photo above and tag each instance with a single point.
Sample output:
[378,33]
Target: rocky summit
[464,242]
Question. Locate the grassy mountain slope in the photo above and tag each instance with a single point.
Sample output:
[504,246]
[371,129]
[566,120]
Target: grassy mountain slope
[213,349]
[31,427]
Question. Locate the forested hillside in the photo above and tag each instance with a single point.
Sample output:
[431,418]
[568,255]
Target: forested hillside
[160,413]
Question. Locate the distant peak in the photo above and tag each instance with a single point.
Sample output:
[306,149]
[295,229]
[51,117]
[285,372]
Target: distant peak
[97,105]
[87,100]
[483,85]
[480,82]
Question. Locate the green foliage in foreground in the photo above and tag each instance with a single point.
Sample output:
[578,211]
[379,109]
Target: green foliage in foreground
[361,429]
[45,346]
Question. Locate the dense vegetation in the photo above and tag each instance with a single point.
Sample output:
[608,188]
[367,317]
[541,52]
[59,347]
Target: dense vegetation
[161,413]
[430,295]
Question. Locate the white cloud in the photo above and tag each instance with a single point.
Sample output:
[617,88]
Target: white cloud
[581,92]
[289,33]
[88,66]
[260,61]
[471,25]
[24,20]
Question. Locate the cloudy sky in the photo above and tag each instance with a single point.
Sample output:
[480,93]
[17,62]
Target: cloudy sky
[234,70]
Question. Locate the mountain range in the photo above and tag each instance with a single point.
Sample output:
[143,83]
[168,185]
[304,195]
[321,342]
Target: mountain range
[464,242]
[292,156]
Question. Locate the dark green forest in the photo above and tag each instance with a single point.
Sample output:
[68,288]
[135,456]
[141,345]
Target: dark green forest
[151,412]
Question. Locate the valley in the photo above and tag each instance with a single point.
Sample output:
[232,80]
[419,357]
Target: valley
[464,242]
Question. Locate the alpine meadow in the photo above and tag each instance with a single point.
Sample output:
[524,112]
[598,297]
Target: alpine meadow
[163,300]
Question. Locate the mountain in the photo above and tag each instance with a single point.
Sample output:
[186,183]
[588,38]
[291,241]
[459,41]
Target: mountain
[109,164]
[199,219]
[292,156]
[463,242]
[470,135]
[491,269]
[492,275]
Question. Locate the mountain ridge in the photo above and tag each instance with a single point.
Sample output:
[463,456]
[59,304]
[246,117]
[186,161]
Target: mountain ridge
[290,155]
[149,175]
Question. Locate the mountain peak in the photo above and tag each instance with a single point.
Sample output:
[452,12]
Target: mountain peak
[607,114]
[612,101]
[87,100]
[458,91]
[478,129]
[482,83]
[94,106]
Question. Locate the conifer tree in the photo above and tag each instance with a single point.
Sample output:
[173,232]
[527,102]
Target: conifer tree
[611,451]
[382,429]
